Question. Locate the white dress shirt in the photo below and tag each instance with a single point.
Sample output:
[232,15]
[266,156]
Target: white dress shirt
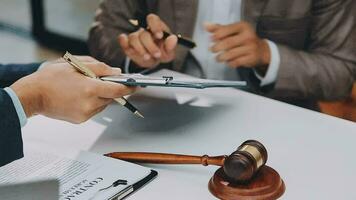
[18,106]
[17,103]
[224,12]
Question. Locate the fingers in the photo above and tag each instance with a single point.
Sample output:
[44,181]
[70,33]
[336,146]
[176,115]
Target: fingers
[96,111]
[102,69]
[238,45]
[156,26]
[228,43]
[224,31]
[149,44]
[124,41]
[110,90]
[87,113]
[103,101]
[143,61]
[147,48]
[232,54]
[142,45]
[168,49]
[246,61]
[136,44]
[130,52]
[170,43]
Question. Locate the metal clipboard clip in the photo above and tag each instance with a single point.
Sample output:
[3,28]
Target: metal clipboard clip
[168,79]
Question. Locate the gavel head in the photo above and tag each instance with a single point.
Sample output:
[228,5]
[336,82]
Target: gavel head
[243,164]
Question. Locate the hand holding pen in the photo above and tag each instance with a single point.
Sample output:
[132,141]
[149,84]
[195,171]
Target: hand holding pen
[151,44]
[58,91]
[85,70]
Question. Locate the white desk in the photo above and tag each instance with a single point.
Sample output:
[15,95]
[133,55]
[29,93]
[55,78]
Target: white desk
[314,153]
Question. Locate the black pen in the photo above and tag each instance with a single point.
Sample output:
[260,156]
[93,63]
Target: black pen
[181,40]
[87,72]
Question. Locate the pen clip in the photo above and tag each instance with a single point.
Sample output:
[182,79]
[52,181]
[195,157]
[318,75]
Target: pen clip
[78,65]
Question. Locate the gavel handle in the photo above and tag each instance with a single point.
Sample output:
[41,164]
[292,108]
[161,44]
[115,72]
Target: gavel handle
[163,158]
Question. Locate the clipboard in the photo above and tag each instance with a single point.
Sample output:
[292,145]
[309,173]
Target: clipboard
[170,81]
[123,194]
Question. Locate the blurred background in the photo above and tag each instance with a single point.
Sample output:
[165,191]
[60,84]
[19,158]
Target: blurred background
[38,30]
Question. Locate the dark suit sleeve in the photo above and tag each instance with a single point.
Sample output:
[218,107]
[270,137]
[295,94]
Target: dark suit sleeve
[10,131]
[13,72]
[326,67]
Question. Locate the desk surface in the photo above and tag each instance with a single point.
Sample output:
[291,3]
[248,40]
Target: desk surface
[313,153]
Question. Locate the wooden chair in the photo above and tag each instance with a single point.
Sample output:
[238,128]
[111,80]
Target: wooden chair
[345,109]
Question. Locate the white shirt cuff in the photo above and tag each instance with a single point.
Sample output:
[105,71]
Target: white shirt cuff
[41,66]
[18,106]
[272,71]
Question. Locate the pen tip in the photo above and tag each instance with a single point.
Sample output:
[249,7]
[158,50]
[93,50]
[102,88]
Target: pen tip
[139,114]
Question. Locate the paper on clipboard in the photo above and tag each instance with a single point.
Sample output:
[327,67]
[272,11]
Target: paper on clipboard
[170,81]
[81,175]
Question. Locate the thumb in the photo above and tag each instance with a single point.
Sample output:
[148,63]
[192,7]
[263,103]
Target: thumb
[170,43]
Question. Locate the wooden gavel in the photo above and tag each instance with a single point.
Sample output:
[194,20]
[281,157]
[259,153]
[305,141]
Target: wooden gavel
[240,166]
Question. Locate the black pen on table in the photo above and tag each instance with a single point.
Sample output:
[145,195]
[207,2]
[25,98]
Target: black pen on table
[181,40]
[87,72]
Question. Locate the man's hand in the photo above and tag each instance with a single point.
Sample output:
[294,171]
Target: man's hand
[58,91]
[238,45]
[148,48]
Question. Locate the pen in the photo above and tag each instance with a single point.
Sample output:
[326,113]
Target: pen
[87,72]
[181,40]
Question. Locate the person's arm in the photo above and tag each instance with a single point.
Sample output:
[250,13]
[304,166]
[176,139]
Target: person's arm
[12,114]
[12,72]
[270,76]
[10,131]
[113,39]
[111,20]
[57,91]
[327,69]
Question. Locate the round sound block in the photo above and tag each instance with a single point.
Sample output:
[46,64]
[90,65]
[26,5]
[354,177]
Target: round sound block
[265,185]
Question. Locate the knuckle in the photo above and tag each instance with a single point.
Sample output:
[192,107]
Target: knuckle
[89,91]
[102,65]
[118,91]
[106,68]
[145,36]
[133,36]
[250,38]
